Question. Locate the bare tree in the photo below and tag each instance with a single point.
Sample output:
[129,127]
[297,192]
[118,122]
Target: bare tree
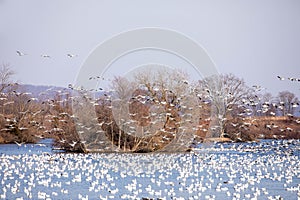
[264,105]
[5,77]
[287,102]
[172,91]
[154,110]
[227,94]
[123,92]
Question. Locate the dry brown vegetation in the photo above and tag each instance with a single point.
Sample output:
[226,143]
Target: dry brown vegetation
[252,128]
[149,114]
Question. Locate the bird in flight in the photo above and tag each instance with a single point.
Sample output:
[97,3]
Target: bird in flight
[293,79]
[45,56]
[185,82]
[20,53]
[289,78]
[280,78]
[71,55]
[19,144]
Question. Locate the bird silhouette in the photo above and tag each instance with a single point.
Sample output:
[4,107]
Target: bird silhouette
[71,55]
[45,56]
[280,78]
[20,53]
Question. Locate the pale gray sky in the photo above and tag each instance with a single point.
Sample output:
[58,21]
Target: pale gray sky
[256,40]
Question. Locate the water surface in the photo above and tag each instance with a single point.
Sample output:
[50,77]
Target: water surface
[269,169]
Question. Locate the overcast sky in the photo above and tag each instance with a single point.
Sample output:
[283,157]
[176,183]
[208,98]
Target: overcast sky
[256,40]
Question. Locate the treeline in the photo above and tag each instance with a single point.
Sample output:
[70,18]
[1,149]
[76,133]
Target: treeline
[154,111]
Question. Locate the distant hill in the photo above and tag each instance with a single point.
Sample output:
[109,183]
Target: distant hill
[41,91]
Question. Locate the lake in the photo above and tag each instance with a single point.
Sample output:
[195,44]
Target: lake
[269,169]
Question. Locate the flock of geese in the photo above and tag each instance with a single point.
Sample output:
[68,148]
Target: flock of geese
[245,106]
[265,170]
[268,170]
[289,78]
[19,53]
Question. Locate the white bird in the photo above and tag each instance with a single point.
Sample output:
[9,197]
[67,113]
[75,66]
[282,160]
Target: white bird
[19,144]
[45,56]
[71,55]
[185,82]
[234,125]
[292,79]
[73,144]
[280,78]
[20,53]
[295,105]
